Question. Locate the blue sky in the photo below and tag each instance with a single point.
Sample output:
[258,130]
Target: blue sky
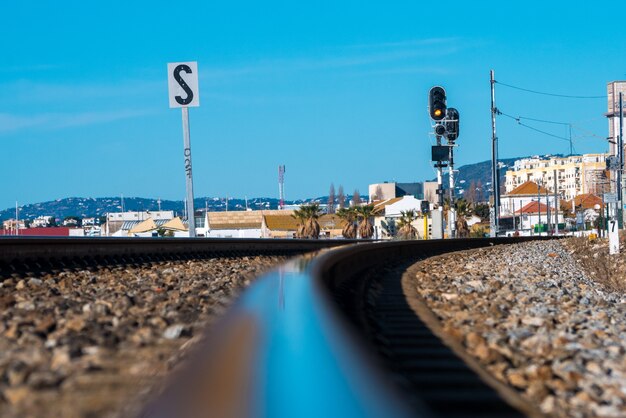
[336,91]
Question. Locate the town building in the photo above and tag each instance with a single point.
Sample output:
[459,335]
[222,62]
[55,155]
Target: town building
[388,212]
[233,224]
[575,174]
[386,190]
[41,221]
[524,194]
[120,223]
[613,89]
[430,191]
[13,225]
[56,231]
[283,225]
[536,217]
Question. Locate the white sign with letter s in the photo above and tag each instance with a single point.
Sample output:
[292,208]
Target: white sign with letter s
[182,83]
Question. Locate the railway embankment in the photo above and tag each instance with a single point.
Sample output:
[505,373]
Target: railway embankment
[97,343]
[547,318]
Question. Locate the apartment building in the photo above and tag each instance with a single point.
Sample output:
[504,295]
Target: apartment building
[613,89]
[575,175]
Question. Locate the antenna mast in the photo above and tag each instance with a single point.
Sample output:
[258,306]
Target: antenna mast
[281,186]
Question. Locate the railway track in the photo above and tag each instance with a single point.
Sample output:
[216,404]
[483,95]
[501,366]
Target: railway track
[332,333]
[35,255]
[337,335]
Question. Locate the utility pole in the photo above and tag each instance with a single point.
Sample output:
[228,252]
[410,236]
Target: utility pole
[17,219]
[495,175]
[281,187]
[556,206]
[548,217]
[620,170]
[539,208]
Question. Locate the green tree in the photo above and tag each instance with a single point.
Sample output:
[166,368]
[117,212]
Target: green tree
[482,211]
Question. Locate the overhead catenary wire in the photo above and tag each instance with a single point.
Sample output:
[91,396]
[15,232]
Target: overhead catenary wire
[567,96]
[573,125]
[519,122]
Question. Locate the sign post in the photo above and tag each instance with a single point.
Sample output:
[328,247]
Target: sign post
[182,81]
[613,237]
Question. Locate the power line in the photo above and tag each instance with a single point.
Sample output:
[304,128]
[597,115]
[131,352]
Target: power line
[573,125]
[518,118]
[519,122]
[545,121]
[551,94]
[544,132]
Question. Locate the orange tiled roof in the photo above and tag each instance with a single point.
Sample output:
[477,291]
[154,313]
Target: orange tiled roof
[532,207]
[528,188]
[587,201]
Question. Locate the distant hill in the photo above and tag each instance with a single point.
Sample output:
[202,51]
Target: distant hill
[94,207]
[479,173]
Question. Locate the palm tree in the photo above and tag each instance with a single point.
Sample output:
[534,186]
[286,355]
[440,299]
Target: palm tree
[463,209]
[349,216]
[300,216]
[307,216]
[312,226]
[366,230]
[405,228]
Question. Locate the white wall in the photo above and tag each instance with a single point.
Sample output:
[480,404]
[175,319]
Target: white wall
[234,233]
[407,203]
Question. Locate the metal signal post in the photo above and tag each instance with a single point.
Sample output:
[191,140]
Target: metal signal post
[446,126]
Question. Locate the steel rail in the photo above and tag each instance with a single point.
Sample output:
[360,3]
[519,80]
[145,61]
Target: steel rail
[286,349]
[20,255]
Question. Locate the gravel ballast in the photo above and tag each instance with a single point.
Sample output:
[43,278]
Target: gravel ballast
[77,344]
[531,317]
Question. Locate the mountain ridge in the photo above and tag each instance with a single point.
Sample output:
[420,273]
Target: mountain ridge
[479,173]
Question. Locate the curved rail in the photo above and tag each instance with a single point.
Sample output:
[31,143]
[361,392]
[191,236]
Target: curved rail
[286,350]
[36,254]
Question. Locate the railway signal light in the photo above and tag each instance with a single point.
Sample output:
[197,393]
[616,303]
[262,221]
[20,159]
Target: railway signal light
[437,103]
[452,124]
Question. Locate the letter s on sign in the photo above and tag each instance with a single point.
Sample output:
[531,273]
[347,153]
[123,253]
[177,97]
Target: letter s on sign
[179,80]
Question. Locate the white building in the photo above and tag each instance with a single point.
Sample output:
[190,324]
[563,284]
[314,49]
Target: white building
[522,195]
[575,175]
[613,89]
[41,221]
[533,214]
[388,212]
[119,223]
